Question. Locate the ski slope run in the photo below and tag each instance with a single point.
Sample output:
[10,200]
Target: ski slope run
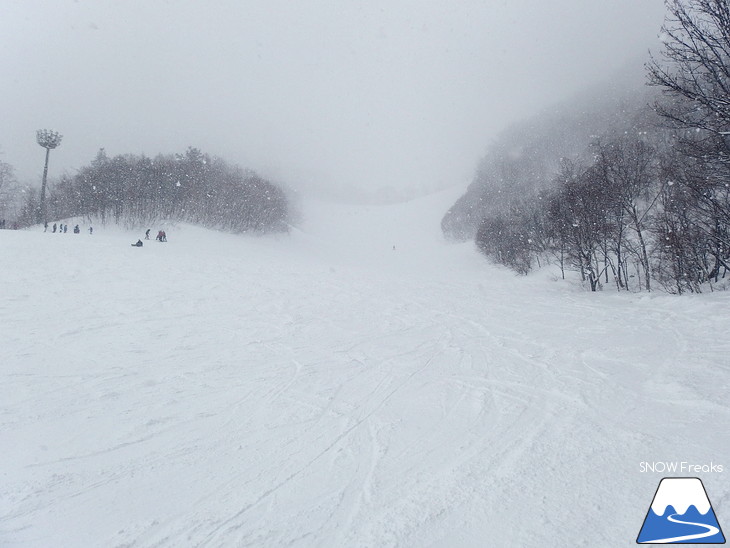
[357,382]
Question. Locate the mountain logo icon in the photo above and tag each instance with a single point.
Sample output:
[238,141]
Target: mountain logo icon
[680,513]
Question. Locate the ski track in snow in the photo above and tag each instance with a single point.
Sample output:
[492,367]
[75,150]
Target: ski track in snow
[323,389]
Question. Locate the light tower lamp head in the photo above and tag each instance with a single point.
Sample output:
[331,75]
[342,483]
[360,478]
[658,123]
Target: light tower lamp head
[48,139]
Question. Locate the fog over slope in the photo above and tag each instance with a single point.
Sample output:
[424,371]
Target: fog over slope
[527,155]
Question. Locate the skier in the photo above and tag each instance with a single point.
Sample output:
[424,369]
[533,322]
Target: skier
[65,229]
[54,228]
[91,230]
[147,234]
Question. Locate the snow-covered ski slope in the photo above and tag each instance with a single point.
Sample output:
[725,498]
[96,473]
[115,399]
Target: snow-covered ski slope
[324,389]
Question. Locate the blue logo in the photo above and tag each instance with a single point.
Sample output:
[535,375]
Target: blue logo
[680,513]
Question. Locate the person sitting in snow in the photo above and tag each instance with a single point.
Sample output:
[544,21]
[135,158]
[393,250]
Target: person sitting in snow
[138,244]
[77,230]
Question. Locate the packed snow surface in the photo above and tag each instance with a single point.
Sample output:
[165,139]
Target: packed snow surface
[357,382]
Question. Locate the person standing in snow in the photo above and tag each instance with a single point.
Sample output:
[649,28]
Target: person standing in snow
[91,230]
[77,230]
[65,229]
[147,234]
[54,227]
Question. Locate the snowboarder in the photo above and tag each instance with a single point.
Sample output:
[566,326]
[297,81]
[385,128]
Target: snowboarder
[138,244]
[147,234]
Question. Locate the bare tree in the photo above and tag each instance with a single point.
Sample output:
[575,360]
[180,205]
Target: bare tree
[696,65]
[695,75]
[628,169]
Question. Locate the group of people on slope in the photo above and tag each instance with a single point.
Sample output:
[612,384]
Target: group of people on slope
[62,228]
[161,237]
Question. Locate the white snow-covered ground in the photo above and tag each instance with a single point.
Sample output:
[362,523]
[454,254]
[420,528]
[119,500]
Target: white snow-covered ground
[324,389]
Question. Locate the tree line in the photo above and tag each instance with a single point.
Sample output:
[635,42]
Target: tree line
[9,191]
[136,190]
[650,204]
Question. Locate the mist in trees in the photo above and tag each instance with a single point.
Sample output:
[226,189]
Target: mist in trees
[11,195]
[7,181]
[643,200]
[526,157]
[136,190]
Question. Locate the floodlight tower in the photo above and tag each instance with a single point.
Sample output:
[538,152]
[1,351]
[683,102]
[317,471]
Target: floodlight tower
[47,139]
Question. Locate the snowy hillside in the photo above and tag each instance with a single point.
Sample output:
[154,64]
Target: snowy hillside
[357,382]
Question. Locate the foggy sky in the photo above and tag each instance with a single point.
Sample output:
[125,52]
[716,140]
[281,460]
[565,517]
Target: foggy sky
[315,93]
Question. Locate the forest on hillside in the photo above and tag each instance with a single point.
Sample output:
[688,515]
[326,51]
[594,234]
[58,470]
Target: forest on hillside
[136,190]
[629,188]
